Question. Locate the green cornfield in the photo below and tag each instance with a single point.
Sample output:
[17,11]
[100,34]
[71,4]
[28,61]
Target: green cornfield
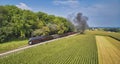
[78,49]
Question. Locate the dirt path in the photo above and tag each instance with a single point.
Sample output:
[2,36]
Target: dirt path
[107,52]
[16,50]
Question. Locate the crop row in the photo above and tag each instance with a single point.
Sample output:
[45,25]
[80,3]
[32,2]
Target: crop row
[79,49]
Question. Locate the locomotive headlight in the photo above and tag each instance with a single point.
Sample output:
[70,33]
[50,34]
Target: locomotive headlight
[30,42]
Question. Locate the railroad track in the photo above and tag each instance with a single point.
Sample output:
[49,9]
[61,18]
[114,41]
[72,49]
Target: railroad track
[29,46]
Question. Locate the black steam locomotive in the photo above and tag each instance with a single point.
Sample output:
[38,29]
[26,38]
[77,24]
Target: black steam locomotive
[39,39]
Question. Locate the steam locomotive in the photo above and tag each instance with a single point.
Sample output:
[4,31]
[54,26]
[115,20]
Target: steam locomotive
[39,39]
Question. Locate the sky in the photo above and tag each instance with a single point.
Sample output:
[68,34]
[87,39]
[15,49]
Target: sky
[101,13]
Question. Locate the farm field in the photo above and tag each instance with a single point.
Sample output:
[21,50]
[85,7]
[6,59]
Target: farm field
[108,50]
[17,44]
[94,47]
[79,49]
[104,33]
[12,45]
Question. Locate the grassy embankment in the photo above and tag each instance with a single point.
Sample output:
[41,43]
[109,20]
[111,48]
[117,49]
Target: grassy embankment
[12,45]
[79,49]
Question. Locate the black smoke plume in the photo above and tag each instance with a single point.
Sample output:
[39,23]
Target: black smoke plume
[79,21]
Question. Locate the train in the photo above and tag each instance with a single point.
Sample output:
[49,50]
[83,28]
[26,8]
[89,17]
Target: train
[39,39]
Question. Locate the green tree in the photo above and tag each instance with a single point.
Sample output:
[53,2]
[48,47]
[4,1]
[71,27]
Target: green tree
[16,23]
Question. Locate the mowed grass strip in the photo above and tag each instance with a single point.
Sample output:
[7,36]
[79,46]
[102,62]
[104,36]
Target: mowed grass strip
[4,47]
[107,52]
[79,49]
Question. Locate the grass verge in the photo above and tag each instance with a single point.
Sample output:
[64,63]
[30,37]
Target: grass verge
[12,45]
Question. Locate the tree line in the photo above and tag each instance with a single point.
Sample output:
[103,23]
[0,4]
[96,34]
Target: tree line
[112,29]
[16,23]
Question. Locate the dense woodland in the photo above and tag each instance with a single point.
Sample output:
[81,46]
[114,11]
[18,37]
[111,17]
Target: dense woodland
[16,23]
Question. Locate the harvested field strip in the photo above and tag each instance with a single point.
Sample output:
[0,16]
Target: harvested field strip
[114,42]
[107,52]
